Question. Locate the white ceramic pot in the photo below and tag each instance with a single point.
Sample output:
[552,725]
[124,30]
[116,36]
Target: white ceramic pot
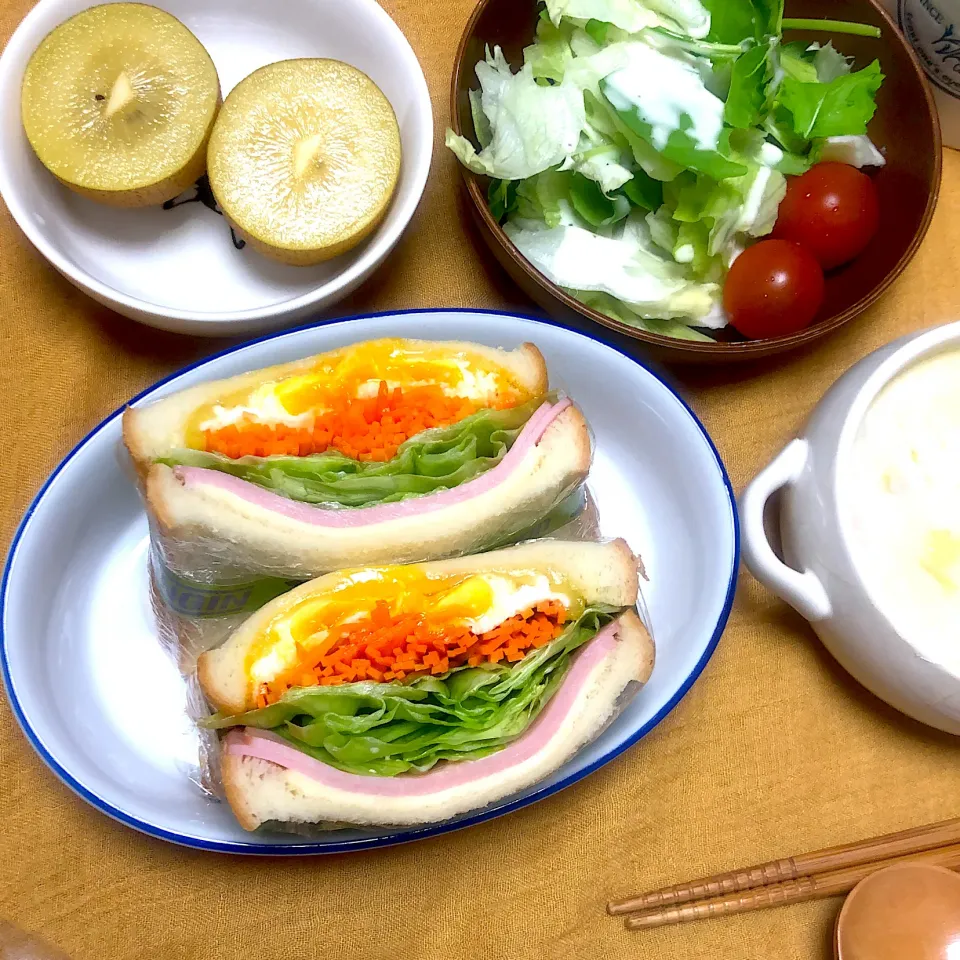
[820,577]
[177,269]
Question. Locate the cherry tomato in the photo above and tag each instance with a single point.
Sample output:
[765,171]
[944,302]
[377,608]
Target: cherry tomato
[832,210]
[774,288]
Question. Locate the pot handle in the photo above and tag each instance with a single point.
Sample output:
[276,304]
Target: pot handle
[803,591]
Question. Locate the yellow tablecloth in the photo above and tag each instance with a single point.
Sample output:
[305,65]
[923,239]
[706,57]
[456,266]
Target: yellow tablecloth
[773,752]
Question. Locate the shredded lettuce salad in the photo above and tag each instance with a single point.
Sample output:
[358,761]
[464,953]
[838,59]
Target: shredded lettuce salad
[386,729]
[644,143]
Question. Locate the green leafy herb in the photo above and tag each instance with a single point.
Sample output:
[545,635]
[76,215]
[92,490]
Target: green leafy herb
[748,88]
[796,61]
[597,30]
[831,26]
[643,191]
[830,64]
[654,163]
[733,21]
[681,148]
[702,48]
[842,107]
[779,125]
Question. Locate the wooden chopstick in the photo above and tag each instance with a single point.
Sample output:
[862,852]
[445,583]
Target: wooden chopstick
[915,840]
[780,894]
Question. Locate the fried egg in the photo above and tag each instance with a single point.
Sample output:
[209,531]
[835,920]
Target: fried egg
[479,602]
[357,372]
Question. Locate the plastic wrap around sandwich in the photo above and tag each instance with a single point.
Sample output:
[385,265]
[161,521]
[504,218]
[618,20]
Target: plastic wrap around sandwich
[405,695]
[381,452]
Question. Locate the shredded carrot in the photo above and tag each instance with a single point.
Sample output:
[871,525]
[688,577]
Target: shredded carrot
[384,647]
[367,429]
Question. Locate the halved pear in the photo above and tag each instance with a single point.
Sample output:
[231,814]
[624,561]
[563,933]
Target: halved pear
[304,159]
[118,103]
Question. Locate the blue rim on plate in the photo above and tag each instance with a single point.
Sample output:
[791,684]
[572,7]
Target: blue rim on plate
[346,846]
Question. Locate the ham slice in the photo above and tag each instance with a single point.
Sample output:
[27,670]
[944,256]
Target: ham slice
[529,437]
[264,745]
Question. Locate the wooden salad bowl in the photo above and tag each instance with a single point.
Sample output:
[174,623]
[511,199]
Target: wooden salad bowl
[905,128]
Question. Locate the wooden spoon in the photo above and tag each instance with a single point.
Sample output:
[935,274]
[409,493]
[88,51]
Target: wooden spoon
[906,912]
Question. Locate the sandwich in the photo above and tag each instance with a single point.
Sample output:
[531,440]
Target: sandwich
[404,695]
[380,452]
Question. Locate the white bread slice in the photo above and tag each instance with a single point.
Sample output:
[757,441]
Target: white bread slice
[261,792]
[599,572]
[250,536]
[159,428]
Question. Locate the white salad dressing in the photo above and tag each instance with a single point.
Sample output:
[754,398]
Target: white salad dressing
[750,212]
[857,150]
[664,90]
[770,154]
[901,492]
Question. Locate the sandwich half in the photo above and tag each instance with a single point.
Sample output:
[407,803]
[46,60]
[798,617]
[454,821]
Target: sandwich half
[383,451]
[405,695]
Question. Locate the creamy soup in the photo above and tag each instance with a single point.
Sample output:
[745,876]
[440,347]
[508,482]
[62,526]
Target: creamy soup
[902,500]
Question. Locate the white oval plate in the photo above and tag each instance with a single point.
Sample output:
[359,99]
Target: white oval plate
[104,707]
[178,269]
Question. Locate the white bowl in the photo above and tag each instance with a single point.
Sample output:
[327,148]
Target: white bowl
[178,269]
[75,589]
[821,578]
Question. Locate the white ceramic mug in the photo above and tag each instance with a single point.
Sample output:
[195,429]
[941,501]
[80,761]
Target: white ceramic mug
[819,576]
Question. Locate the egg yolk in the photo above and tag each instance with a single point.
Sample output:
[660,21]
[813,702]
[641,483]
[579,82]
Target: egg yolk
[389,623]
[363,401]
